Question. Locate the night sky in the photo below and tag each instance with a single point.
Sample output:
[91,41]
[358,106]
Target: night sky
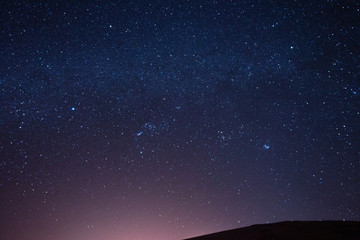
[168,119]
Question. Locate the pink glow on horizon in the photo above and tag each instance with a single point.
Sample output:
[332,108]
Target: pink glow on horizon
[106,228]
[146,231]
[150,219]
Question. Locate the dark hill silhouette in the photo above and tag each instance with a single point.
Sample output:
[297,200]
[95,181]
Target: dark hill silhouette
[297,230]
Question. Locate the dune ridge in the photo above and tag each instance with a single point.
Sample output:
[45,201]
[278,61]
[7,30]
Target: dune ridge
[291,230]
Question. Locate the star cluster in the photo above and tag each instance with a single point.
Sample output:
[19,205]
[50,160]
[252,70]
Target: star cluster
[170,119]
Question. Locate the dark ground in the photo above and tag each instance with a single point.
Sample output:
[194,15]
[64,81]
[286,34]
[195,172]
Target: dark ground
[323,230]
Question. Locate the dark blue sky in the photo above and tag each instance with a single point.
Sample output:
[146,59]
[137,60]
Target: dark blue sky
[170,119]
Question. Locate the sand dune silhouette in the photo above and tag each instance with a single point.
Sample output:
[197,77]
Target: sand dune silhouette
[294,230]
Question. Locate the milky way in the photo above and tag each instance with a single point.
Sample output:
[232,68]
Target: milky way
[170,119]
